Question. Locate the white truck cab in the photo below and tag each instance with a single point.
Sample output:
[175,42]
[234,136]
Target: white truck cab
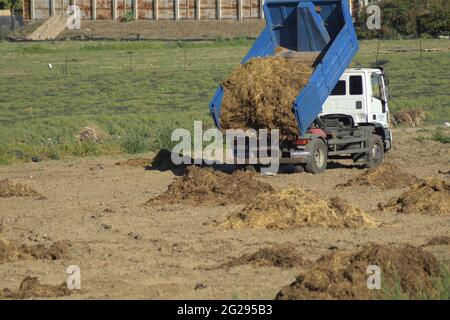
[362,94]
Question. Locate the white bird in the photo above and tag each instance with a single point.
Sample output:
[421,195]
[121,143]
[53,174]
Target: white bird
[447,124]
[50,66]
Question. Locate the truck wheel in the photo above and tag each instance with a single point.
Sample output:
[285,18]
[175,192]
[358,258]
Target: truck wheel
[376,152]
[318,158]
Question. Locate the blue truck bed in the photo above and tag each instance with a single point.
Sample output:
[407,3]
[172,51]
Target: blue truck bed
[321,28]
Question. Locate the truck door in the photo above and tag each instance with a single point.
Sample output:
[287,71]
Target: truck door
[377,101]
[357,100]
[348,98]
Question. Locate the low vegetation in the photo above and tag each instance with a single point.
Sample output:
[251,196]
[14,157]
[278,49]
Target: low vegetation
[441,292]
[137,92]
[438,134]
[441,135]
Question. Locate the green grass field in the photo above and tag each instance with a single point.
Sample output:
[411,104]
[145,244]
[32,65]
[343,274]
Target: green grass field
[136,92]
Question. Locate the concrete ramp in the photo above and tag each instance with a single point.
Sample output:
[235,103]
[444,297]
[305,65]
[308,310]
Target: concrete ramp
[50,29]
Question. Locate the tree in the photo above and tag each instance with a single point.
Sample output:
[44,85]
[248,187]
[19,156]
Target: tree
[12,5]
[408,18]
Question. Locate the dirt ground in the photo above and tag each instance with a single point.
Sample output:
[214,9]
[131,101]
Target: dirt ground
[126,249]
[157,30]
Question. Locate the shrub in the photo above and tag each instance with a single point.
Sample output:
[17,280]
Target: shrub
[440,135]
[406,18]
[127,17]
[53,153]
[134,142]
[163,139]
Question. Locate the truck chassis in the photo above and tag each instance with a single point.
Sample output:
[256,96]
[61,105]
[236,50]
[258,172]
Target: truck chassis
[332,137]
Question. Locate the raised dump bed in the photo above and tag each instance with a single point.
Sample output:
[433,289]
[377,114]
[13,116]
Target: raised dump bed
[319,33]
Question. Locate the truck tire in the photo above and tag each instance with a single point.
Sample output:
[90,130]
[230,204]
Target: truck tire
[319,156]
[376,152]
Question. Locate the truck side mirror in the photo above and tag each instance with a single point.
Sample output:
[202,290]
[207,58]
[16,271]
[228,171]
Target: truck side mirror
[386,96]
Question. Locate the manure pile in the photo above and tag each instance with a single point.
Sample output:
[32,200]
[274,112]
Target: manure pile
[387,175]
[410,117]
[206,186]
[407,271]
[295,208]
[9,189]
[32,288]
[10,251]
[260,95]
[280,256]
[431,197]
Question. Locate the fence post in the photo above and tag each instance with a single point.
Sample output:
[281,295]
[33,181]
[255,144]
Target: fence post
[177,9]
[261,9]
[218,9]
[135,10]
[31,9]
[114,9]
[197,9]
[52,8]
[239,10]
[155,10]
[94,9]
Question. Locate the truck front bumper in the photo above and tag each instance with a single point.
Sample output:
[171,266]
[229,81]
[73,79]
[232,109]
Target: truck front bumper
[291,157]
[296,156]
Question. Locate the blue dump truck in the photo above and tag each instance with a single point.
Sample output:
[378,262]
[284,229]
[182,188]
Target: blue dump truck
[341,112]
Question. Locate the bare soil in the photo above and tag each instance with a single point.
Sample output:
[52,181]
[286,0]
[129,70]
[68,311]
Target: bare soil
[157,30]
[260,94]
[135,162]
[128,250]
[50,29]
